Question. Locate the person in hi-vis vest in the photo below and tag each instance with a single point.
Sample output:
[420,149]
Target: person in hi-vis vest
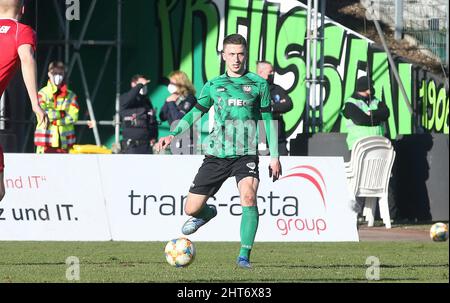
[60,104]
[364,114]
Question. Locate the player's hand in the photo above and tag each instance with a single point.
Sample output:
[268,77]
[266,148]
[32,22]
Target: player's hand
[275,169]
[163,143]
[42,118]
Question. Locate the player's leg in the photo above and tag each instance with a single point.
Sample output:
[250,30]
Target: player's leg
[207,182]
[246,171]
[248,188]
[200,211]
[195,204]
[2,186]
[2,165]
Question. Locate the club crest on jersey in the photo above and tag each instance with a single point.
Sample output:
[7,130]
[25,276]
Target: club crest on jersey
[246,88]
[4,29]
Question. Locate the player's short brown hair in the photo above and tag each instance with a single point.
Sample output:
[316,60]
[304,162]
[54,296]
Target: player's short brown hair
[236,39]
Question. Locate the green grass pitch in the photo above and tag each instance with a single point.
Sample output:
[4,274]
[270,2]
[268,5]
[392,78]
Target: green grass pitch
[215,262]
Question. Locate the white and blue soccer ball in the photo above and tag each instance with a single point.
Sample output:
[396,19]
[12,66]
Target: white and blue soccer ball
[439,232]
[180,252]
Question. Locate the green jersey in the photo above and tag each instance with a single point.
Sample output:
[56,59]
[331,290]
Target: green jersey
[240,104]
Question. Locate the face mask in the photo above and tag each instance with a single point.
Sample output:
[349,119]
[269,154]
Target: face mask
[143,91]
[58,79]
[172,88]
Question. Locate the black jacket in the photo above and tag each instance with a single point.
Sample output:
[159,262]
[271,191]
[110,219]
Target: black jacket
[137,116]
[281,103]
[171,112]
[352,112]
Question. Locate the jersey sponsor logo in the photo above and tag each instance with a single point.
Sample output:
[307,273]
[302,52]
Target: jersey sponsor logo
[246,88]
[237,102]
[221,89]
[4,29]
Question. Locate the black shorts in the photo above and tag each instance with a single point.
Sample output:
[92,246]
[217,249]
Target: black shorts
[214,171]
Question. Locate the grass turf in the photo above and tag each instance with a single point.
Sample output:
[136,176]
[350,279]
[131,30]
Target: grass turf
[215,262]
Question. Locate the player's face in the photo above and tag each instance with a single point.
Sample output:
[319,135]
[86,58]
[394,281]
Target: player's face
[234,56]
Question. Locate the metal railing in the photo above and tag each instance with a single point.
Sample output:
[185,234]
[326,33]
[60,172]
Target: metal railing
[424,20]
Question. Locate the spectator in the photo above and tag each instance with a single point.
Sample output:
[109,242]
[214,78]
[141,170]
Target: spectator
[140,127]
[364,116]
[181,100]
[363,113]
[61,106]
[281,103]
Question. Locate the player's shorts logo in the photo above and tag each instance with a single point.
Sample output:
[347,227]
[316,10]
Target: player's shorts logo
[246,88]
[251,165]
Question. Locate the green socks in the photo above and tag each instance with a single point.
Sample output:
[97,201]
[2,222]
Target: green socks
[249,226]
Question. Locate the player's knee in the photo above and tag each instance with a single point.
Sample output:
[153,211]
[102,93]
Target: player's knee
[248,199]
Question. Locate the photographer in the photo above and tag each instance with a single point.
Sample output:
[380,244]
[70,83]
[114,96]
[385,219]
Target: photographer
[139,124]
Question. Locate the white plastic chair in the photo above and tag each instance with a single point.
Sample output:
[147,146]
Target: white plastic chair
[368,176]
[362,143]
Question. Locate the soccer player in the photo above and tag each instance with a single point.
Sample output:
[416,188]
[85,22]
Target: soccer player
[17,45]
[240,98]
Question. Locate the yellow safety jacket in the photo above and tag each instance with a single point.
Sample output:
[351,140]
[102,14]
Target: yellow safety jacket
[62,110]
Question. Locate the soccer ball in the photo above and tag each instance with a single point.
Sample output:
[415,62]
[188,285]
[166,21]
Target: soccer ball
[180,252]
[439,232]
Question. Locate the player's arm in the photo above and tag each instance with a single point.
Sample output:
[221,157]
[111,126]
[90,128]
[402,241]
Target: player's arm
[2,186]
[2,182]
[29,71]
[271,133]
[201,107]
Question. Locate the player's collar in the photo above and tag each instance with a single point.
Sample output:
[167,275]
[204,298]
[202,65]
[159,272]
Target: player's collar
[226,74]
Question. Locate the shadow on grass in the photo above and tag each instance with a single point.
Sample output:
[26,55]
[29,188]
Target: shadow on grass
[350,266]
[258,265]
